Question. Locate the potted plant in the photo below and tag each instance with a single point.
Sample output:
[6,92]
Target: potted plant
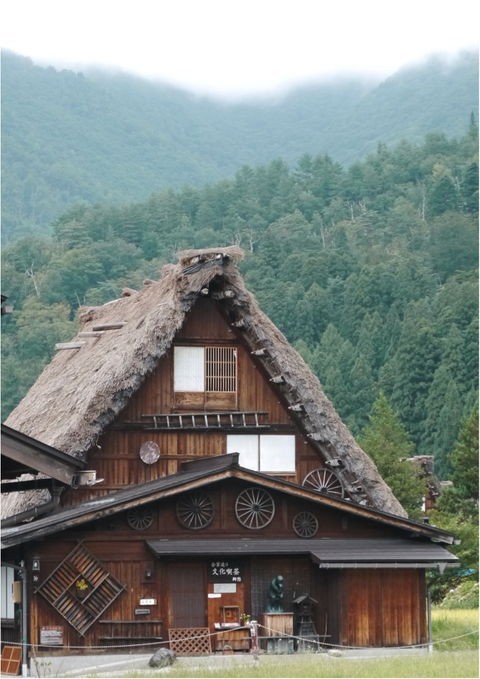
[81,587]
[245,619]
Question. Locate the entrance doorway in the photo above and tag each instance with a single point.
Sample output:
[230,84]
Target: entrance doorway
[187,594]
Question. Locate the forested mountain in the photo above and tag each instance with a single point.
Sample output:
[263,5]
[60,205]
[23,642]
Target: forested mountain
[370,270]
[102,137]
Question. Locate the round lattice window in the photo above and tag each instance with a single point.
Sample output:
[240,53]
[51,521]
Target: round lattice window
[324,481]
[139,518]
[305,524]
[195,510]
[254,508]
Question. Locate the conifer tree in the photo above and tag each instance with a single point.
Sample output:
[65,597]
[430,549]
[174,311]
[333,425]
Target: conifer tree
[386,441]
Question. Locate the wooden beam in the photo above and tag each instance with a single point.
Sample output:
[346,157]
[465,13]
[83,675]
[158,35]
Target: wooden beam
[91,333]
[110,326]
[31,484]
[69,345]
[278,379]
[37,456]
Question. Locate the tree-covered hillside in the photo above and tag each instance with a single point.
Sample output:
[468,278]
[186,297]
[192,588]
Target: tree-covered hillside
[370,271]
[101,137]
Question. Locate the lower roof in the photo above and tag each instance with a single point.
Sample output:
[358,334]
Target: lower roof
[24,454]
[326,552]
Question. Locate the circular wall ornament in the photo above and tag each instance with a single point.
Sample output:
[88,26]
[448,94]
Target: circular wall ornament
[149,452]
[195,510]
[305,524]
[324,481]
[139,518]
[254,508]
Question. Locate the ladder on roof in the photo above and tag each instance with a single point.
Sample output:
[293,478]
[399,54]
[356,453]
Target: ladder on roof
[204,420]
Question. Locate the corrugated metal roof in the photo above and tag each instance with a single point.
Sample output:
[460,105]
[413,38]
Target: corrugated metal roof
[326,552]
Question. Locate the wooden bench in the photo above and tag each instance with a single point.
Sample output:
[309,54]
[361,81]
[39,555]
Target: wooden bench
[132,630]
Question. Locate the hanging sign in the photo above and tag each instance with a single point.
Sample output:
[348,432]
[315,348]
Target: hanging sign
[224,570]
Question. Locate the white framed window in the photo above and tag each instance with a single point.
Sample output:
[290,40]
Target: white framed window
[205,369]
[7,605]
[264,452]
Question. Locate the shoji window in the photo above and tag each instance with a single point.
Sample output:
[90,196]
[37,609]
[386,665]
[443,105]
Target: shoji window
[189,369]
[209,369]
[265,453]
[8,607]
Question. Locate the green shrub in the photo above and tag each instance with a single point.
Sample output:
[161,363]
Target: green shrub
[463,596]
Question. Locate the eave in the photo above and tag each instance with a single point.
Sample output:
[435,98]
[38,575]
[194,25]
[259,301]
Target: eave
[22,454]
[195,475]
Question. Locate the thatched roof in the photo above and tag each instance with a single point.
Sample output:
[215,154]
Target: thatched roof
[83,389]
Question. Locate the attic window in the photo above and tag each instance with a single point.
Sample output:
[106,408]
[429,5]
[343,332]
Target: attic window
[273,453]
[205,369]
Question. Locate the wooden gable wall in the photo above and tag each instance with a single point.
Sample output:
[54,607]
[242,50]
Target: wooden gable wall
[116,455]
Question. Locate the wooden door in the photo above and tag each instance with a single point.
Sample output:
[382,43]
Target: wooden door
[187,594]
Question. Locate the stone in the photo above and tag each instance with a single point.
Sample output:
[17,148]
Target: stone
[162,658]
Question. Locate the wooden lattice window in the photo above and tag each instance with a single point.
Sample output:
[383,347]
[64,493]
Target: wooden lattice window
[80,589]
[221,369]
[205,369]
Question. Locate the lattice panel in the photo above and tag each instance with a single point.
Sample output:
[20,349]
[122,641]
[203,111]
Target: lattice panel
[221,369]
[190,640]
[80,607]
[11,659]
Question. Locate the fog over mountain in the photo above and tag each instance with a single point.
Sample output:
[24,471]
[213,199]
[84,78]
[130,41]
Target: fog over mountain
[108,137]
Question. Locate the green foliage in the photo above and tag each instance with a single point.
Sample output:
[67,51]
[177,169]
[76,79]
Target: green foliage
[457,510]
[347,263]
[463,596]
[386,441]
[464,460]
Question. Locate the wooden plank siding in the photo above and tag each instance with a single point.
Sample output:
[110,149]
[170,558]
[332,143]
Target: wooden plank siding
[382,607]
[372,607]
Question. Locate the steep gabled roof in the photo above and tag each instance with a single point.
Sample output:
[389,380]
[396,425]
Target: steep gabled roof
[91,379]
[205,472]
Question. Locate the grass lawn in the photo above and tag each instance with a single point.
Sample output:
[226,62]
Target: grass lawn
[455,654]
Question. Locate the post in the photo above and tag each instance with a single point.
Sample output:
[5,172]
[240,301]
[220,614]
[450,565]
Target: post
[23,574]
[429,621]
[254,635]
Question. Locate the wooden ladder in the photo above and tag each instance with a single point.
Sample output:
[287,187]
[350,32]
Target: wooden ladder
[204,420]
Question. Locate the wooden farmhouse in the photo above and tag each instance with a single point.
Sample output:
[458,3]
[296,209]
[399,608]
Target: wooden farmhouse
[212,470]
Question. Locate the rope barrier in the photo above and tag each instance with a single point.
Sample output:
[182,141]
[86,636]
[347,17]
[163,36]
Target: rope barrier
[360,648]
[278,635]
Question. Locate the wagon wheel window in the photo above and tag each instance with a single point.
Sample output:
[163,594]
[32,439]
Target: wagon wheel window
[139,518]
[305,524]
[195,510]
[254,508]
[324,481]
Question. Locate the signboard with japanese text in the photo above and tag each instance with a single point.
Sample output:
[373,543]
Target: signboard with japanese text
[51,636]
[225,570]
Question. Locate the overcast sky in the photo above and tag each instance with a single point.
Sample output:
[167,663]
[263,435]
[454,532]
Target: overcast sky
[237,47]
